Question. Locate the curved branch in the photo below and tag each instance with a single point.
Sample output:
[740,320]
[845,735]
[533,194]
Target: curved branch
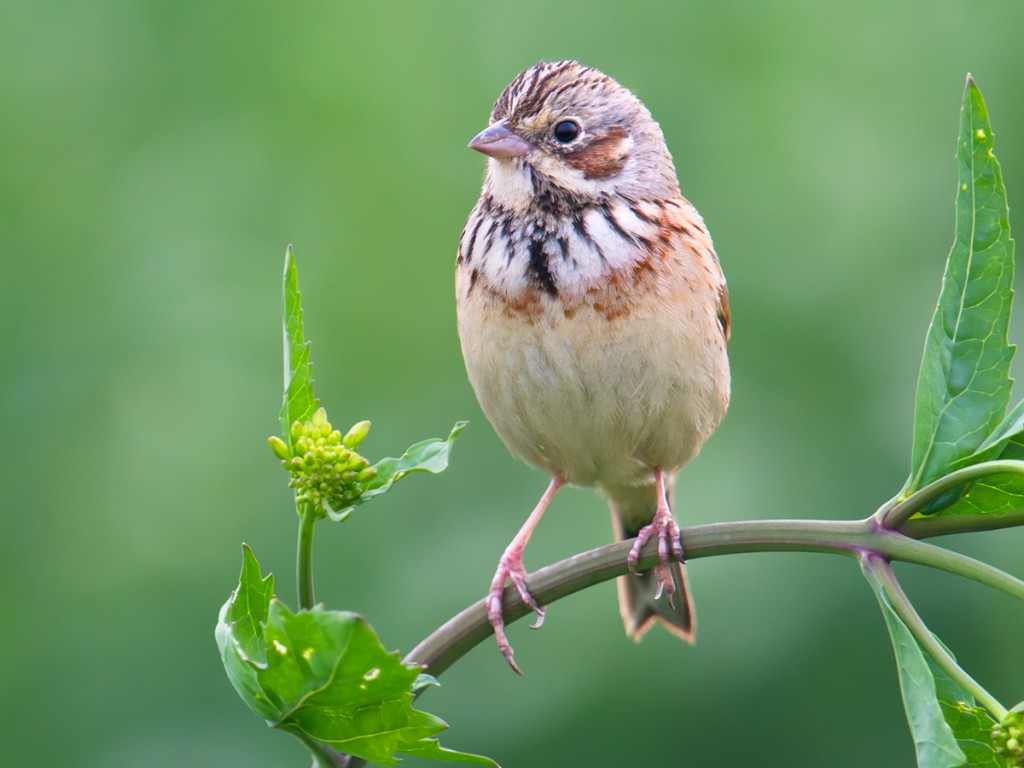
[462,632]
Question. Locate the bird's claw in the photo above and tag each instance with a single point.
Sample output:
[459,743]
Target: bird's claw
[663,526]
[509,567]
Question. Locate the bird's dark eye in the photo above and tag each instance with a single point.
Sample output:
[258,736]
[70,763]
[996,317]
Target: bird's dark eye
[566,131]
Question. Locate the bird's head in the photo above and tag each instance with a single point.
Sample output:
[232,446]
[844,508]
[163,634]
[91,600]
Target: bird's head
[564,134]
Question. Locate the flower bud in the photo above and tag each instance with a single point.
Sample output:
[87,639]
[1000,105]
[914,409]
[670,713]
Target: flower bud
[278,447]
[356,435]
[320,417]
[325,469]
[1006,736]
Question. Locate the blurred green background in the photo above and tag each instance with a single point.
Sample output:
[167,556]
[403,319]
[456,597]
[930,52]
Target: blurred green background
[156,159]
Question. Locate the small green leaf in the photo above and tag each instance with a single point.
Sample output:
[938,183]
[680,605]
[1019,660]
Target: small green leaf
[299,401]
[431,749]
[239,633]
[249,606]
[324,676]
[964,386]
[426,456]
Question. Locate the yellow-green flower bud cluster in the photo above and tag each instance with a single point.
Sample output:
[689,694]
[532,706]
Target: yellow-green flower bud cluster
[1008,736]
[326,470]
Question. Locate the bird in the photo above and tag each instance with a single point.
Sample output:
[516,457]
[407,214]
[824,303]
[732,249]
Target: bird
[593,317]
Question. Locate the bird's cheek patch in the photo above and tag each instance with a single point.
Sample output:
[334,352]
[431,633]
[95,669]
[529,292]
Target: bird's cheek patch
[605,156]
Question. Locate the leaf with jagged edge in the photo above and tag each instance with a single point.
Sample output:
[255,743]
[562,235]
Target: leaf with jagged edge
[299,400]
[964,386]
[324,675]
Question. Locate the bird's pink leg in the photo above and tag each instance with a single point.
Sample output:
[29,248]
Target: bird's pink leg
[510,566]
[667,530]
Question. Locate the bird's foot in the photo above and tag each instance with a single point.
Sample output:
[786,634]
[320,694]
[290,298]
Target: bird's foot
[663,526]
[510,567]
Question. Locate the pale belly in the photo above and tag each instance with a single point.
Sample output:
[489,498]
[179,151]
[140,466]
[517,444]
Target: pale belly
[593,400]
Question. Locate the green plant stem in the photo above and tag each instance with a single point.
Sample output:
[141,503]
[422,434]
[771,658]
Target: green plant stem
[911,551]
[304,557]
[462,632]
[929,644]
[897,514]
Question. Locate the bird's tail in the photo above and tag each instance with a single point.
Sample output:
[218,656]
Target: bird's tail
[632,508]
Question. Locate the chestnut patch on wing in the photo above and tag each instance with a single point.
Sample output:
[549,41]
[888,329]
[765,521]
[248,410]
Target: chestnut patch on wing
[604,157]
[723,311]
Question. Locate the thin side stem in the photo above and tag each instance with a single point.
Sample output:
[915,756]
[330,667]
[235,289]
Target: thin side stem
[911,551]
[323,756]
[304,557]
[896,515]
[905,610]
[925,527]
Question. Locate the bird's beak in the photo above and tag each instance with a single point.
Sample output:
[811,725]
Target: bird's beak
[499,140]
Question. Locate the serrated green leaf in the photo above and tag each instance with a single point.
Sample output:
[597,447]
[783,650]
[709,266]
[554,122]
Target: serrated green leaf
[299,400]
[325,676]
[426,456]
[248,607]
[431,749]
[964,386]
[239,633]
